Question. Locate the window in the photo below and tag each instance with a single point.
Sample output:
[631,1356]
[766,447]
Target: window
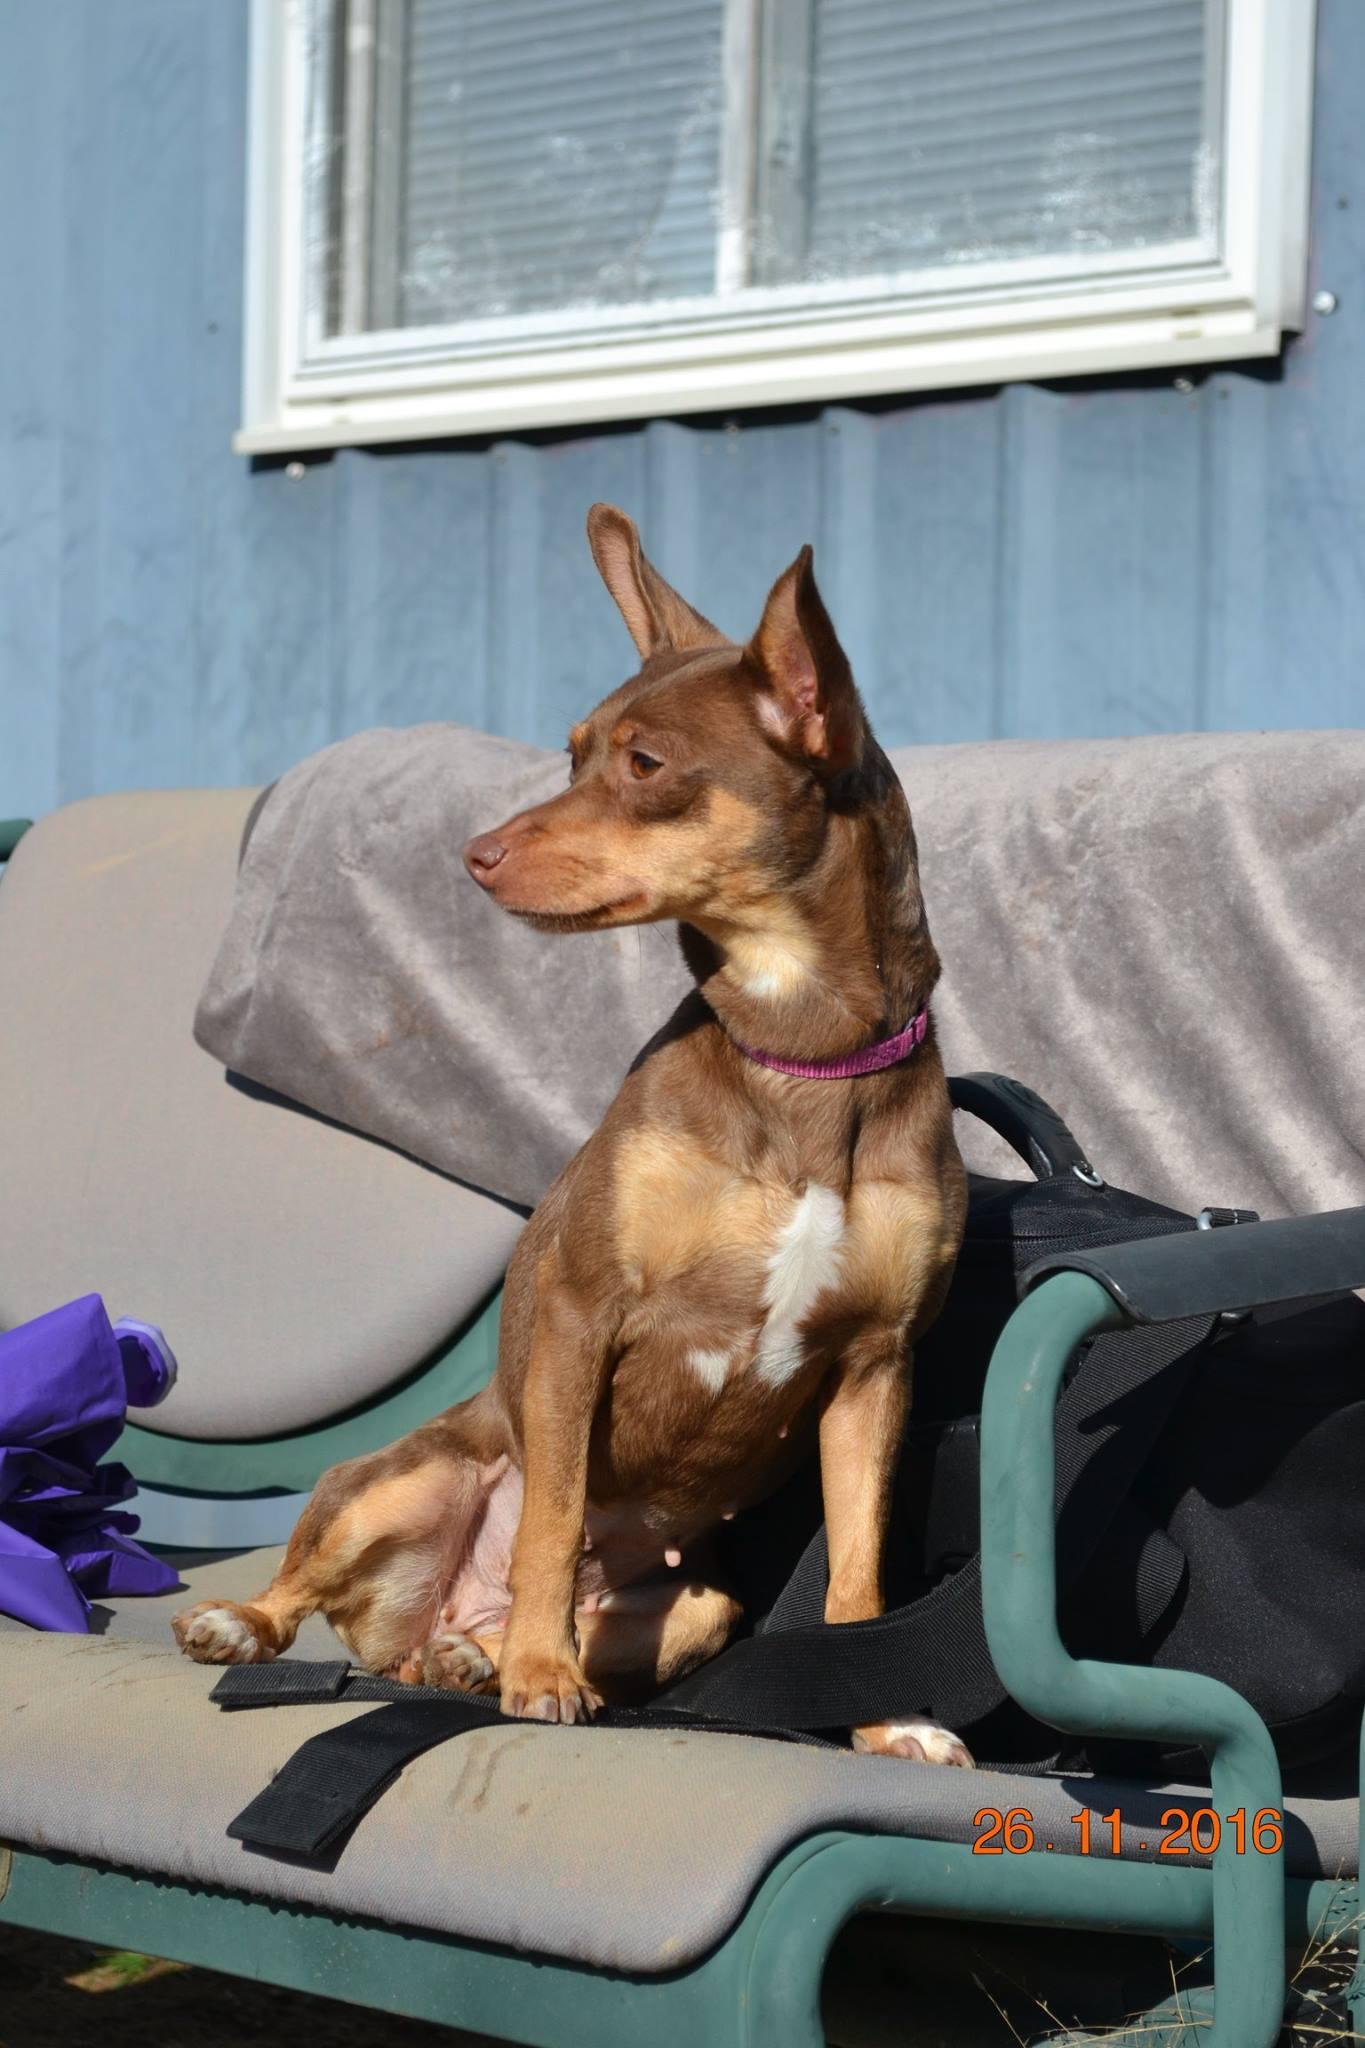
[469,215]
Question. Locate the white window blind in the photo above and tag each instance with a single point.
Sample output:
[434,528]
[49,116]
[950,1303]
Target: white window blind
[485,213]
[557,153]
[963,131]
[546,154]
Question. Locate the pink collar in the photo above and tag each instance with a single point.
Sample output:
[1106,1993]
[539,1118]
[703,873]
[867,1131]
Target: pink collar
[887,1052]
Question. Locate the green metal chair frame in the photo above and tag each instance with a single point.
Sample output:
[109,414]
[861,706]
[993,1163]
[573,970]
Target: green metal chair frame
[761,1987]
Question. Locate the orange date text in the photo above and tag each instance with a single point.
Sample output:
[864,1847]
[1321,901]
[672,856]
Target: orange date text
[1198,1831]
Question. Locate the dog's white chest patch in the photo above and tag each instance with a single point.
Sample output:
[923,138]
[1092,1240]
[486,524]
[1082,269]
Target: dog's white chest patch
[710,1368]
[803,1262]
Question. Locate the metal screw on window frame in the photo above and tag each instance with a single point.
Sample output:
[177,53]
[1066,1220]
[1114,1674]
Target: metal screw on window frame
[296,471]
[1324,302]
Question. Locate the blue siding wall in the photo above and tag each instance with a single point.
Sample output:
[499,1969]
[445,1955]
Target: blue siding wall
[1026,561]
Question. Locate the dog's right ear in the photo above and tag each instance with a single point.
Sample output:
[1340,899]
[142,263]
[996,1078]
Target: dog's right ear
[810,702]
[656,617]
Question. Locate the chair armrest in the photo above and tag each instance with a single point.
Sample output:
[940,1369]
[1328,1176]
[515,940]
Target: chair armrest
[1019,1575]
[12,831]
[1200,1272]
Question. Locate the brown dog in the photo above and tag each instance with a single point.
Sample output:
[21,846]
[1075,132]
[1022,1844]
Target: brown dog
[739,1259]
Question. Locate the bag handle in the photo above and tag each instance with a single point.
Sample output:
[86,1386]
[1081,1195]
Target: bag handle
[1026,1123]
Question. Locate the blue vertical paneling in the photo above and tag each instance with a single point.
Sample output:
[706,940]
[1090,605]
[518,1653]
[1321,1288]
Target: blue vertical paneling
[1286,530]
[133,494]
[1093,559]
[935,581]
[33,162]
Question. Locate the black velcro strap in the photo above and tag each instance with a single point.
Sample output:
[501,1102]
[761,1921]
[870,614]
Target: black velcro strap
[287,1681]
[335,1777]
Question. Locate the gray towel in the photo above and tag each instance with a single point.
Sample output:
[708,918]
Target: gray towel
[1164,936]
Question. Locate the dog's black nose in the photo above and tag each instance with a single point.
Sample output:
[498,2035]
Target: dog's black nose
[482,855]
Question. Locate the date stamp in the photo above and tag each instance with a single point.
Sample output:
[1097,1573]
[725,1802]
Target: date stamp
[1198,1831]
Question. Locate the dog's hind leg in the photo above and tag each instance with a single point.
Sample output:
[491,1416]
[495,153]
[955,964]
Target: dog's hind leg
[643,1636]
[371,1551]
[450,1661]
[259,1629]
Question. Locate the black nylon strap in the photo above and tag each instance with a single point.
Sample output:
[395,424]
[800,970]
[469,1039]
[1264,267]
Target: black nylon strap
[273,1684]
[278,1684]
[335,1777]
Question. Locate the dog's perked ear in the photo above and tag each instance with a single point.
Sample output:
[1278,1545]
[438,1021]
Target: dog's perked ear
[656,617]
[810,701]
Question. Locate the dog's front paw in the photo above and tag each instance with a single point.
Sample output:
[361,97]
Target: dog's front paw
[218,1632]
[540,1688]
[921,1740]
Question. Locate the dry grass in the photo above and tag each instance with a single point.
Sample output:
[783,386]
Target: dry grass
[1318,1989]
[1316,2013]
[902,1983]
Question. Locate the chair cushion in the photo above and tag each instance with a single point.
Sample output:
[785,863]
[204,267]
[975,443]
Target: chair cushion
[297,1269]
[626,1849]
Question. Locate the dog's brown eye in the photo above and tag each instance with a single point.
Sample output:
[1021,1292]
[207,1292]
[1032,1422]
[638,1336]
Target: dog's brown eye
[644,765]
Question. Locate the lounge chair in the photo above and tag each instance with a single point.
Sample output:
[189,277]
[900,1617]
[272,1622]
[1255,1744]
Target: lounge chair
[545,1885]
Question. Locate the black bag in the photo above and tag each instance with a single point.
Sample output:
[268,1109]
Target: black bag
[1210,1491]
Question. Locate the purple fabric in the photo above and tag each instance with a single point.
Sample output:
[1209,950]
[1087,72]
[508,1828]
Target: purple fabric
[66,1380]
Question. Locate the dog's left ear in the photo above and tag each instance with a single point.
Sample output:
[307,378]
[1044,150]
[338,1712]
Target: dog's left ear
[656,617]
[811,702]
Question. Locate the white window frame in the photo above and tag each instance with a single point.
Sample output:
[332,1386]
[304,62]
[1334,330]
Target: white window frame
[1041,316]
